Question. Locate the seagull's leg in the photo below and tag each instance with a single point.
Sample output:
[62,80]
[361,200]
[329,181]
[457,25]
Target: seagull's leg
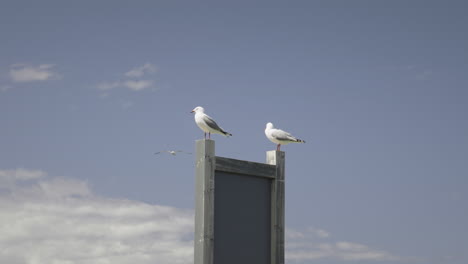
[204,135]
[278,147]
[209,135]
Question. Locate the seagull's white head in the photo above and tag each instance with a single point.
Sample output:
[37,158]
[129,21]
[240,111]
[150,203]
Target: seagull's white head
[198,109]
[269,125]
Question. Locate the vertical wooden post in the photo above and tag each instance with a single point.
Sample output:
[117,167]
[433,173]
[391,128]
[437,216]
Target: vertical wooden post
[204,201]
[277,158]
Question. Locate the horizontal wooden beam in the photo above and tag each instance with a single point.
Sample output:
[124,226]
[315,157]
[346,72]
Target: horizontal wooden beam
[245,167]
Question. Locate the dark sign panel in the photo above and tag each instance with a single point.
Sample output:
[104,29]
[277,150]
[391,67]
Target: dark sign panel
[242,219]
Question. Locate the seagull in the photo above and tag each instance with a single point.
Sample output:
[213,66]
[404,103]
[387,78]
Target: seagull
[279,136]
[172,152]
[206,123]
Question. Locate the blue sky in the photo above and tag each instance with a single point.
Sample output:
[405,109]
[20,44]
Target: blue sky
[89,90]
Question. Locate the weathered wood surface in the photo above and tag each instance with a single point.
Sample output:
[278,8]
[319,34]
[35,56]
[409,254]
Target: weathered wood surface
[204,202]
[245,167]
[277,158]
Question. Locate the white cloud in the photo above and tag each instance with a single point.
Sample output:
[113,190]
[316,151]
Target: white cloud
[104,86]
[138,85]
[147,68]
[308,245]
[129,80]
[60,220]
[318,232]
[134,85]
[310,233]
[293,234]
[29,73]
[12,177]
[22,174]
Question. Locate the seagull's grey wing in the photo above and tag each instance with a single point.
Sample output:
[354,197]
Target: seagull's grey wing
[283,135]
[211,123]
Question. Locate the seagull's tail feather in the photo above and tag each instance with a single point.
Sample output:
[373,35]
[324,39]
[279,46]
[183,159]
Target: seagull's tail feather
[227,134]
[300,140]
